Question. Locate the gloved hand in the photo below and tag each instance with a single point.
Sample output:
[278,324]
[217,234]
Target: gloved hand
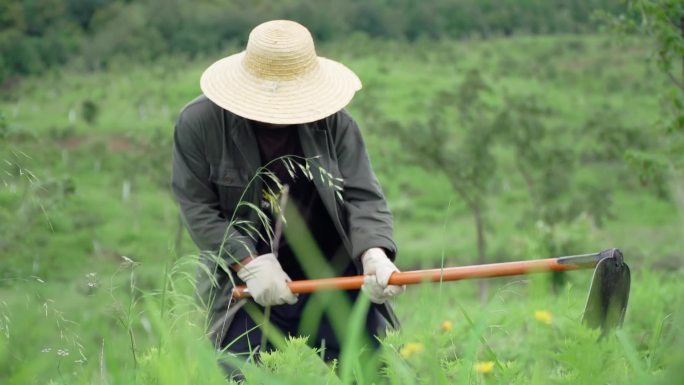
[377,269]
[266,281]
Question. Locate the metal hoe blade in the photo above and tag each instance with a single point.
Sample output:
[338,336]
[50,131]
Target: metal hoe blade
[609,292]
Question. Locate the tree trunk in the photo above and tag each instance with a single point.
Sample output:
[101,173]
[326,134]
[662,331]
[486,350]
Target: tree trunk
[476,208]
[681,29]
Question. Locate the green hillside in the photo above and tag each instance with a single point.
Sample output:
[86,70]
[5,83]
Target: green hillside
[85,182]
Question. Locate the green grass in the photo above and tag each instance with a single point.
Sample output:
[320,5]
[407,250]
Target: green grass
[172,351]
[74,220]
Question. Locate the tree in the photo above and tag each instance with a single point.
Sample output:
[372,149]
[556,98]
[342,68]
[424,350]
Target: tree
[82,11]
[662,22]
[457,141]
[40,15]
[547,161]
[11,16]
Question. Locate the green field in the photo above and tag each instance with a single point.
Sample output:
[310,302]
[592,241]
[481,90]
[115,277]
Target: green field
[78,193]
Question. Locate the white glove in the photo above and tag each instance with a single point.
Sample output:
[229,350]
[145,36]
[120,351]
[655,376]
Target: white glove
[266,281]
[377,269]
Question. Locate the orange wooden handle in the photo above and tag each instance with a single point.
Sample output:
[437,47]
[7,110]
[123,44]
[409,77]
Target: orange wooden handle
[585,261]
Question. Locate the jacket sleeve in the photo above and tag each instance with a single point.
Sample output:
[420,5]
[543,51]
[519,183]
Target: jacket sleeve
[198,200]
[369,218]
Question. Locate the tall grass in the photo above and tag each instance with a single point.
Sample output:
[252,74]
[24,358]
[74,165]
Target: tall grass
[171,346]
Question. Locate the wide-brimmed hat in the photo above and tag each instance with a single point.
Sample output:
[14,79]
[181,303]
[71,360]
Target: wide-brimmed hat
[279,79]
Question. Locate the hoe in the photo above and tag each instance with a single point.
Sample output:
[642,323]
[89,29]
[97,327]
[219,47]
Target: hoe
[606,303]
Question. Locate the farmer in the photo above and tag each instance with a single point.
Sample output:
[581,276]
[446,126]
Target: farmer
[279,99]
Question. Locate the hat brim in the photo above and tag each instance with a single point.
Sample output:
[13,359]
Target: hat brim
[301,100]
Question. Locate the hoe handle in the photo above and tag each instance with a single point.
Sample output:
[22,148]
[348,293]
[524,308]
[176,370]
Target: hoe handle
[575,262]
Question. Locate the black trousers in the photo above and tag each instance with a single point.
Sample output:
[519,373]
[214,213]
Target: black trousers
[243,337]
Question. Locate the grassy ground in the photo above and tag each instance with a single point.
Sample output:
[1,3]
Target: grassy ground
[73,311]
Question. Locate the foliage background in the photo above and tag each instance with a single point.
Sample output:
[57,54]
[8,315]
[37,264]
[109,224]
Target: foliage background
[36,35]
[564,136]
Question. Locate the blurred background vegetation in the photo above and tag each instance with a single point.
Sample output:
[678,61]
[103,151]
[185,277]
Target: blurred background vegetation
[36,35]
[500,130]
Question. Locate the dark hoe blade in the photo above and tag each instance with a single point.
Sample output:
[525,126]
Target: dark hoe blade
[609,293]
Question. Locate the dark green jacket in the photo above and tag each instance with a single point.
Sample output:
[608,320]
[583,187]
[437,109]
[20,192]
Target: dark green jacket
[215,155]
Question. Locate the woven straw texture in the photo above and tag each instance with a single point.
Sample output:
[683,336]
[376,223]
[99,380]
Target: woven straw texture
[279,79]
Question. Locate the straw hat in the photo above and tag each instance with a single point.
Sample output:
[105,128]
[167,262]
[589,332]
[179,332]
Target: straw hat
[279,79]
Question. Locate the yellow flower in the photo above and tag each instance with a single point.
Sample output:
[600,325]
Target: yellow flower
[411,348]
[484,367]
[447,326]
[543,316]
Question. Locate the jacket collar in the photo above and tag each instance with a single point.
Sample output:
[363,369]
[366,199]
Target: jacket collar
[314,144]
[313,139]
[243,135]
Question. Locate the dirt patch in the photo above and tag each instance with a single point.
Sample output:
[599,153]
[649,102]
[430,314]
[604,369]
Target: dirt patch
[119,144]
[113,143]
[73,143]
